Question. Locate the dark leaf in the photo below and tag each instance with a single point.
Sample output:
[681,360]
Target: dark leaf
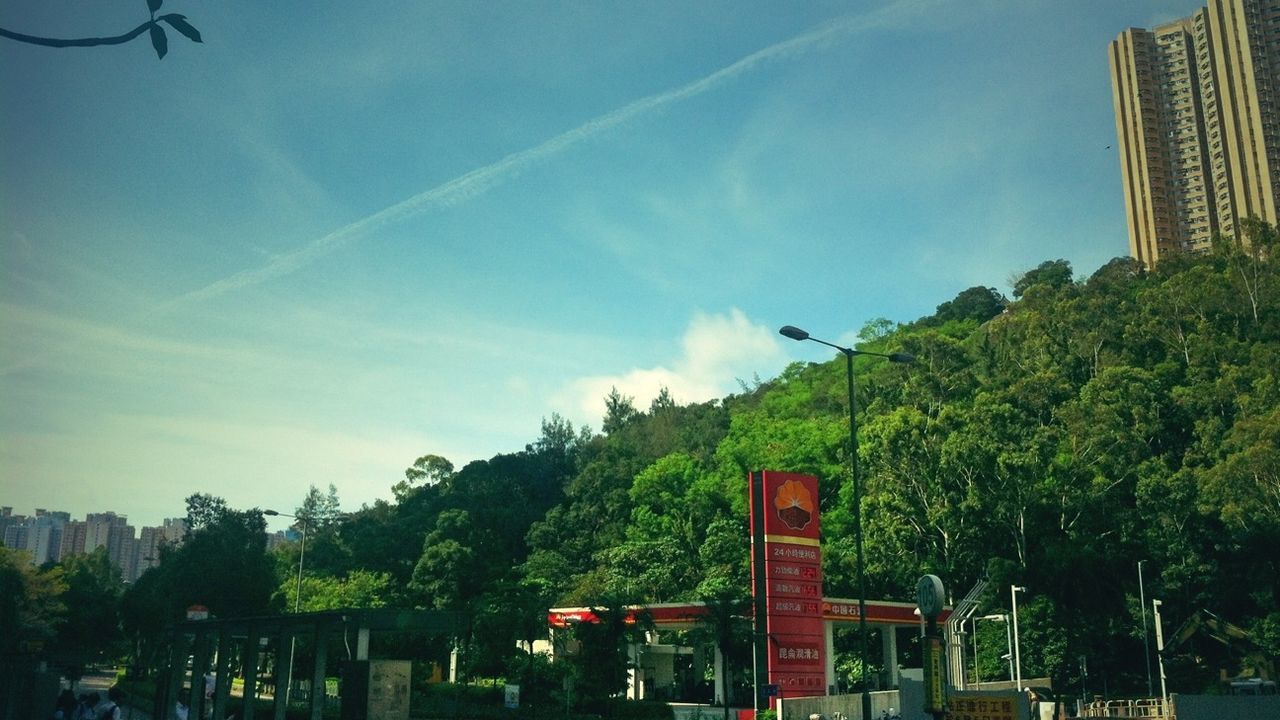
[179,23]
[154,5]
[158,40]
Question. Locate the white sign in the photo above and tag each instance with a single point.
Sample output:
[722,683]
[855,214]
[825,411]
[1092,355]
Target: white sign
[930,596]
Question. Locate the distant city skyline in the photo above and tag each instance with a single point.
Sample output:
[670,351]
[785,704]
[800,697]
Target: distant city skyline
[52,535]
[320,245]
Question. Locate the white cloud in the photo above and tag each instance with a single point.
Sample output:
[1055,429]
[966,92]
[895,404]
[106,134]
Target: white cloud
[717,351]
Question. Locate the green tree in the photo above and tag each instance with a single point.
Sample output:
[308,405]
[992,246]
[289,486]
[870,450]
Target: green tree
[222,563]
[600,667]
[725,624]
[428,470]
[145,610]
[359,589]
[1050,273]
[620,410]
[31,604]
[977,303]
[318,510]
[91,628]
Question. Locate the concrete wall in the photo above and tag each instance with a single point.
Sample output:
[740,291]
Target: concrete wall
[848,705]
[1218,707]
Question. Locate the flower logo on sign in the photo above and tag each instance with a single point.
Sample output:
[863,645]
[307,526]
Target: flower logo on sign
[794,504]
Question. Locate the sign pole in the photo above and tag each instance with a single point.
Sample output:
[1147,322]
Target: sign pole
[930,598]
[760,646]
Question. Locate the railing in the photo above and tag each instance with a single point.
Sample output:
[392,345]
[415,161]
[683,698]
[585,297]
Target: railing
[301,691]
[1147,708]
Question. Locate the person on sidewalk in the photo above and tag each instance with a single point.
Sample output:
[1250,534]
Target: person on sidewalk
[111,709]
[88,707]
[65,708]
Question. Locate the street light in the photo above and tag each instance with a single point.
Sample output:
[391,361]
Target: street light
[297,597]
[1017,655]
[1146,634]
[796,333]
[1084,680]
[1007,639]
[302,553]
[1164,692]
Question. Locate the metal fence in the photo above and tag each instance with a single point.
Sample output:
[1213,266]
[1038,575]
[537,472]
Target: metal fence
[1146,708]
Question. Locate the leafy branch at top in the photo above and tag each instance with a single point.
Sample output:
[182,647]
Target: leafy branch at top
[159,40]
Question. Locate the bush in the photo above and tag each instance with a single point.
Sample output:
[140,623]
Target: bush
[450,700]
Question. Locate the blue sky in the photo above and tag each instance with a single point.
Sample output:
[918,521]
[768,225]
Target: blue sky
[327,241]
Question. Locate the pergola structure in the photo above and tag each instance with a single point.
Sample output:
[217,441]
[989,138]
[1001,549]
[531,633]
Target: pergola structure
[197,647]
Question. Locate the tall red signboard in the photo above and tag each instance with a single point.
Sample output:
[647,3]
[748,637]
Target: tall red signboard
[786,573]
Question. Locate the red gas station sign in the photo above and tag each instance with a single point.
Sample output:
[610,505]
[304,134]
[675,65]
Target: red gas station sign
[792,581]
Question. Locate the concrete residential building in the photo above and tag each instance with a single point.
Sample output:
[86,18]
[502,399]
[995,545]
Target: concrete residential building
[99,528]
[122,548]
[39,535]
[73,538]
[45,539]
[147,554]
[1197,125]
[175,529]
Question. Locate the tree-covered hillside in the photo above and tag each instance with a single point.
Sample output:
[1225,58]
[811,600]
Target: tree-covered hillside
[1050,440]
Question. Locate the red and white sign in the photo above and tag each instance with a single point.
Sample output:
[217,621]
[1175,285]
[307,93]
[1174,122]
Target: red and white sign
[792,575]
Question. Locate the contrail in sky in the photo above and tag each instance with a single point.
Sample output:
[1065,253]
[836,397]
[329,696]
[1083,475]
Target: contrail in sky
[480,180]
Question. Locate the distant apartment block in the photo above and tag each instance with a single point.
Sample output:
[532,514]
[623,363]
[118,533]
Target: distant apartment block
[174,530]
[44,535]
[52,536]
[101,527]
[1197,125]
[73,538]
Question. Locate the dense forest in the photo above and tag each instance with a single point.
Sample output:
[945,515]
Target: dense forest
[1051,440]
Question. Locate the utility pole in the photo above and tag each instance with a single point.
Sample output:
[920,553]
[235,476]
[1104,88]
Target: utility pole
[1146,633]
[1017,654]
[1164,691]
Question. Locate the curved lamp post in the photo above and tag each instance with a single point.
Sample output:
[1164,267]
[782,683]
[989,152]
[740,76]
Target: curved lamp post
[796,333]
[1146,633]
[1017,654]
[1008,639]
[297,597]
[1164,690]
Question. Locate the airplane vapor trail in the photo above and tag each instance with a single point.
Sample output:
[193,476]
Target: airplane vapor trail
[480,180]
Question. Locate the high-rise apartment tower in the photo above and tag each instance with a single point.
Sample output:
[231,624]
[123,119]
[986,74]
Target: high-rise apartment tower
[1196,121]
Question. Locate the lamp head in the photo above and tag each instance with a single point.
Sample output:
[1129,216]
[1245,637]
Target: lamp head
[272,513]
[902,357]
[794,332]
